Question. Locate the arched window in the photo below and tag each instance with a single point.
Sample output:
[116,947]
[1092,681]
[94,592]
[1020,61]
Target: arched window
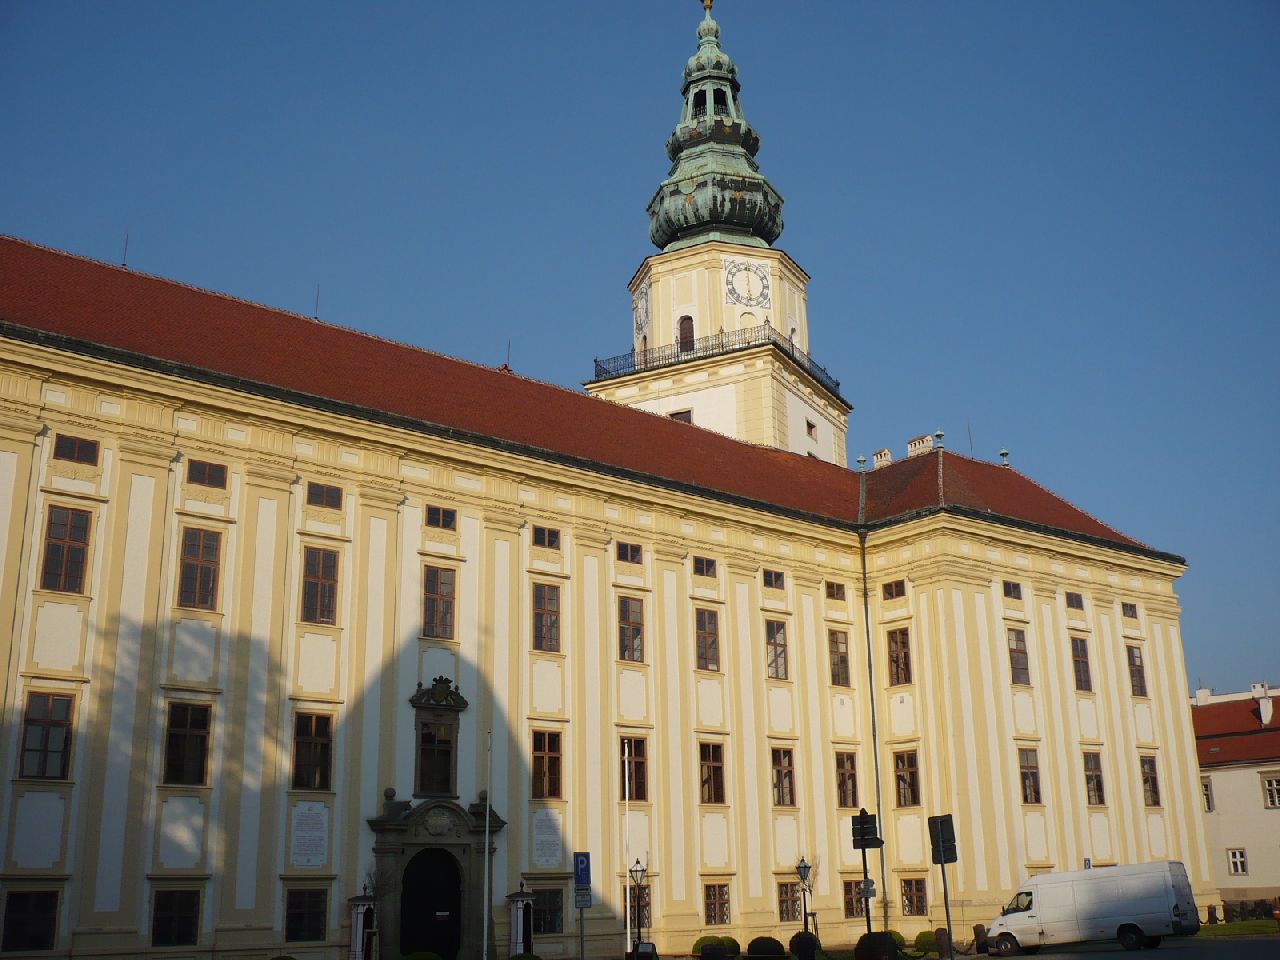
[721,104]
[700,104]
[686,334]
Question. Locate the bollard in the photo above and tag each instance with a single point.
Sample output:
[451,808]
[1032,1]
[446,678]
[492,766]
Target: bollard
[942,940]
[1213,913]
[979,938]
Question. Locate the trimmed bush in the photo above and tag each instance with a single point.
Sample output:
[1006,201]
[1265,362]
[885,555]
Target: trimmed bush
[706,941]
[876,946]
[898,938]
[803,944]
[766,947]
[926,941]
[732,947]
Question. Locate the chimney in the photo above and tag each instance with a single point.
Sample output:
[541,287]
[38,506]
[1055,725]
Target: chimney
[1203,695]
[1265,707]
[881,458]
[919,445]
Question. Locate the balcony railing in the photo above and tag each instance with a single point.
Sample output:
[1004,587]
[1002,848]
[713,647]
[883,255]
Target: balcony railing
[713,346]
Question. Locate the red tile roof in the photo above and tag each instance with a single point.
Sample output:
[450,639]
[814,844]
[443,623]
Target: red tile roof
[1231,732]
[158,322]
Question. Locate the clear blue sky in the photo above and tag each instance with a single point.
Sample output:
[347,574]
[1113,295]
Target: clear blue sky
[1055,226]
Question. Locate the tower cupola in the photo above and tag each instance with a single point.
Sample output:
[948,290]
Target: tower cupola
[715,190]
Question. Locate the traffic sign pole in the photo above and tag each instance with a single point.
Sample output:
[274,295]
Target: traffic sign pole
[582,897]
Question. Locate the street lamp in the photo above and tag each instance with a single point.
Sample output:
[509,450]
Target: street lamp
[802,871]
[637,873]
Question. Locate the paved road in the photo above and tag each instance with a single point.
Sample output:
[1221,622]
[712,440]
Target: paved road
[1177,948]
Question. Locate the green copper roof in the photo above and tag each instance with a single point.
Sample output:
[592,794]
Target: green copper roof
[715,190]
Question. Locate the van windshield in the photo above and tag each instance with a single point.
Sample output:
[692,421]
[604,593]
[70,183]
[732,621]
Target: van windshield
[1020,902]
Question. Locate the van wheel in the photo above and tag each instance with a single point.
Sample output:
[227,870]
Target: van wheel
[1151,943]
[1130,938]
[1005,946]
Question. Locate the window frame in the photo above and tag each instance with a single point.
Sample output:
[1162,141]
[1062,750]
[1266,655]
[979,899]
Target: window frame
[73,449]
[706,632]
[906,778]
[198,575]
[853,904]
[775,643]
[545,616]
[1029,775]
[835,590]
[1080,664]
[441,518]
[1012,589]
[899,641]
[546,538]
[47,724]
[893,589]
[546,765]
[838,654]
[1074,601]
[783,766]
[1094,782]
[327,496]
[1128,610]
[304,915]
[711,772]
[639,764]
[715,904]
[789,901]
[1137,670]
[439,602]
[70,568]
[547,917]
[1237,861]
[312,751]
[435,772]
[774,579]
[212,475]
[629,552]
[704,567]
[192,743]
[177,921]
[846,780]
[1206,794]
[319,600]
[33,925]
[631,629]
[915,897]
[1019,659]
[639,904]
[1270,783]
[1150,774]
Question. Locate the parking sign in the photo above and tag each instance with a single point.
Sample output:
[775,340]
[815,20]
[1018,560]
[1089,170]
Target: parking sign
[582,869]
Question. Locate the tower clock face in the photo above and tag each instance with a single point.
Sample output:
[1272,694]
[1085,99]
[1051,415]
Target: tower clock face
[746,283]
[640,309]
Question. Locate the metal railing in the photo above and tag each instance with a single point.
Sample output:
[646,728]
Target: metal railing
[712,346]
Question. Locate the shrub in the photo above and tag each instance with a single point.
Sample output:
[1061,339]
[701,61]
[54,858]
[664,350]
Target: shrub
[926,940]
[731,946]
[876,946]
[701,942]
[798,941]
[898,938]
[766,947]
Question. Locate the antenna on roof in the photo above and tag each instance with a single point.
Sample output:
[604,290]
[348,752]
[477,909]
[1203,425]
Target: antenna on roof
[969,426]
[508,351]
[124,259]
[316,315]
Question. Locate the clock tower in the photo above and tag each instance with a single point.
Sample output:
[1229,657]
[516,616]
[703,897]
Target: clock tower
[720,327]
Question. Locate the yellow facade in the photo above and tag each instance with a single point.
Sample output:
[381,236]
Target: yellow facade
[110,835]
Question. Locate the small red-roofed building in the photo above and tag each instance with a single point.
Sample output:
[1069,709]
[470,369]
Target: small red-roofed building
[1238,744]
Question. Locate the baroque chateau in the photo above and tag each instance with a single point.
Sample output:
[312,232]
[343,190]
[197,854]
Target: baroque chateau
[312,647]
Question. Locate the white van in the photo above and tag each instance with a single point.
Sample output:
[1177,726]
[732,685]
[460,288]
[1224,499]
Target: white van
[1138,905]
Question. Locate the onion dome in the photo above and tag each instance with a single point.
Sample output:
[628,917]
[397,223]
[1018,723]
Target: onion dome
[715,190]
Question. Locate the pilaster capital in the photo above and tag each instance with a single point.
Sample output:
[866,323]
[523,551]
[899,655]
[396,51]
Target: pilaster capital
[273,474]
[591,536]
[742,564]
[380,496]
[145,450]
[503,521]
[20,423]
[665,551]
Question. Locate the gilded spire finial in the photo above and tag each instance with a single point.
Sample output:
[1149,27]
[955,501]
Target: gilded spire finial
[706,5]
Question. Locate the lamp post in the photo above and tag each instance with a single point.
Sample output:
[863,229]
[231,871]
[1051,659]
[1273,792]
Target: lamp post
[637,873]
[802,871]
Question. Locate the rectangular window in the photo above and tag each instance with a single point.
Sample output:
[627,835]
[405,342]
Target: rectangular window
[1029,773]
[631,629]
[66,544]
[811,429]
[312,751]
[1150,781]
[1237,862]
[775,638]
[319,585]
[774,580]
[548,911]
[915,902]
[324,495]
[684,416]
[442,518]
[711,772]
[1093,779]
[704,567]
[1074,601]
[198,570]
[635,769]
[637,900]
[899,657]
[186,744]
[46,736]
[1080,663]
[784,778]
[789,902]
[1129,610]
[30,920]
[305,915]
[838,645]
[1137,673]
[715,902]
[629,553]
[1019,666]
[546,617]
[435,758]
[707,635]
[1270,790]
[437,602]
[894,589]
[846,780]
[205,474]
[546,765]
[75,449]
[835,591]
[1012,590]
[1206,794]
[546,537]
[175,918]
[906,778]
[853,904]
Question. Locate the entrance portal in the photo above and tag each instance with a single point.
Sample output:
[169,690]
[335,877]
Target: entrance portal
[431,904]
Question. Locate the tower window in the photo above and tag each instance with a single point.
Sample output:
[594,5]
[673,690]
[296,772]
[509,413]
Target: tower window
[700,104]
[686,334]
[721,103]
